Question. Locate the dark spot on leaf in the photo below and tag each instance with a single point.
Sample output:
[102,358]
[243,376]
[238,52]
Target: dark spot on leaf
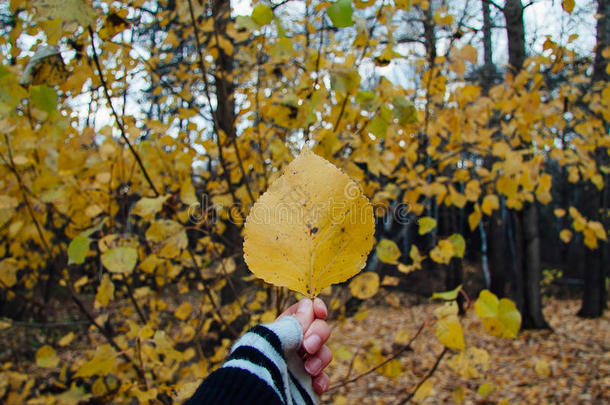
[314,230]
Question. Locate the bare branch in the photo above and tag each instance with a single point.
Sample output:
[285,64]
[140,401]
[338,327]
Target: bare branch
[116,116]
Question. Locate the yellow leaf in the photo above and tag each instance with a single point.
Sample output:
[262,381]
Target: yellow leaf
[168,236]
[313,227]
[597,179]
[565,235]
[391,369]
[187,192]
[469,53]
[459,244]
[542,368]
[590,238]
[105,292]
[423,391]
[46,357]
[470,363]
[486,389]
[426,224]
[443,252]
[458,199]
[402,337]
[364,285]
[67,339]
[148,207]
[8,272]
[404,268]
[473,190]
[598,229]
[490,203]
[448,327]
[183,311]
[500,317]
[7,202]
[78,11]
[448,308]
[447,295]
[120,260]
[559,212]
[474,218]
[144,397]
[416,256]
[543,189]
[390,280]
[102,363]
[5,324]
[387,251]
[568,5]
[458,394]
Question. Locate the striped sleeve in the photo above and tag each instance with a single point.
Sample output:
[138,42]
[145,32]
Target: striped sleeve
[266,359]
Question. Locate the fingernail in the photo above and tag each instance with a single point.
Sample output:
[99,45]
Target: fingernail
[313,366]
[312,344]
[305,306]
[322,385]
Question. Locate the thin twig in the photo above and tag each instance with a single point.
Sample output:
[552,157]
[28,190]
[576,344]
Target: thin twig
[206,88]
[116,116]
[207,292]
[393,356]
[133,300]
[426,377]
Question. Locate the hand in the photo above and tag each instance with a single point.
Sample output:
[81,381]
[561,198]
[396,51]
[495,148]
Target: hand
[315,354]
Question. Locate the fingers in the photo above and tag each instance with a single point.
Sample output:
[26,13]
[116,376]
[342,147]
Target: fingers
[315,336]
[302,311]
[320,383]
[318,362]
[305,311]
[319,308]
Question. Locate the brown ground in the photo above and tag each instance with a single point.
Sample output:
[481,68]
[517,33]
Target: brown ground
[568,366]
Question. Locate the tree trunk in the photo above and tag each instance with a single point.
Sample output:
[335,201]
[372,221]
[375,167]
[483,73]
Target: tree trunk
[488,67]
[532,305]
[528,271]
[225,88]
[496,242]
[594,292]
[513,14]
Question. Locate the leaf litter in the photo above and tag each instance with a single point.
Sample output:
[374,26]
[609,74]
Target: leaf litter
[569,365]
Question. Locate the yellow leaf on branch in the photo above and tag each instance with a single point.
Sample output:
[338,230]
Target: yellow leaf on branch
[500,317]
[105,292]
[387,251]
[426,224]
[364,285]
[490,203]
[443,252]
[8,272]
[121,259]
[313,227]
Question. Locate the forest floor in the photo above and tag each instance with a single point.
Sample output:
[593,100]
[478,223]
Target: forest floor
[568,365]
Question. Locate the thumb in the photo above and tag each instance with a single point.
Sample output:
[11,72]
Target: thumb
[304,314]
